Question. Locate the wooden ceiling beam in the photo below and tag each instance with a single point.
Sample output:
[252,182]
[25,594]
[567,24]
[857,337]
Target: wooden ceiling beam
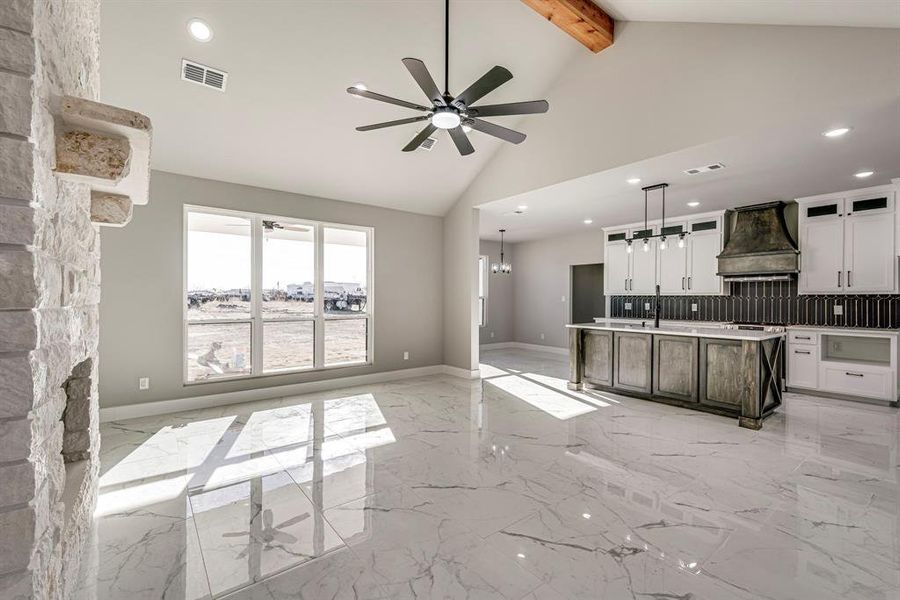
[581,19]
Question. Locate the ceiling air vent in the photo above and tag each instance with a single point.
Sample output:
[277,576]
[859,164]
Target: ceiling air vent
[428,144]
[203,75]
[705,169]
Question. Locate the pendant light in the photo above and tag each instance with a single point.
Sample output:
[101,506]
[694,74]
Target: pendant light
[646,236]
[502,267]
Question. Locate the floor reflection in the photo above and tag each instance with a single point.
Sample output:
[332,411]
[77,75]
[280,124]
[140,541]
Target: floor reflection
[510,487]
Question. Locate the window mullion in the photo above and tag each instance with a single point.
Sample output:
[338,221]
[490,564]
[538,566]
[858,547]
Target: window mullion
[256,329]
[319,310]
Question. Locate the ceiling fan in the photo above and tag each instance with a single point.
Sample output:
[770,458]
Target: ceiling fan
[456,114]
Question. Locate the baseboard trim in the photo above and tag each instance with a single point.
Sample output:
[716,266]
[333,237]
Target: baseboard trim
[524,346]
[163,407]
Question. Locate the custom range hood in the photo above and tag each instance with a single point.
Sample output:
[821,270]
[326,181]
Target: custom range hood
[760,247]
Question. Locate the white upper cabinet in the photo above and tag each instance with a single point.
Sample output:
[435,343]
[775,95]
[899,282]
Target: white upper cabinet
[689,269]
[617,268]
[643,264]
[848,242]
[822,247]
[704,246]
[673,262]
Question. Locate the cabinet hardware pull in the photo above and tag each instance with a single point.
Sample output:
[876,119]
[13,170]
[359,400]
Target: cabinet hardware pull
[839,279]
[801,351]
[682,283]
[626,284]
[802,337]
[689,283]
[849,281]
[853,374]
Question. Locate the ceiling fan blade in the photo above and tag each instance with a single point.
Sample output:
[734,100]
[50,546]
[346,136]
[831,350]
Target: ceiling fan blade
[383,98]
[503,133]
[461,140]
[417,141]
[420,73]
[489,82]
[392,123]
[511,108]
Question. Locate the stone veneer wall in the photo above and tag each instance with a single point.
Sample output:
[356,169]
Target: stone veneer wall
[49,295]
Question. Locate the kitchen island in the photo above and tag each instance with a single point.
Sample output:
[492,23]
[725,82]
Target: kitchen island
[728,372]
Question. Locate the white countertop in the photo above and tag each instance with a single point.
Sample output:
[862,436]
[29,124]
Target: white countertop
[710,331]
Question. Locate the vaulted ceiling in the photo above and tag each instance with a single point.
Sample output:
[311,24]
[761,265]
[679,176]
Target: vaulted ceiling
[285,121]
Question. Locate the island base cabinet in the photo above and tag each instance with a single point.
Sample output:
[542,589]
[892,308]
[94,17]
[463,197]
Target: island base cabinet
[721,363]
[598,357]
[676,370]
[633,362]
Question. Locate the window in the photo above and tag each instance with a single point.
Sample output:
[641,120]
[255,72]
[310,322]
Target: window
[483,262]
[267,295]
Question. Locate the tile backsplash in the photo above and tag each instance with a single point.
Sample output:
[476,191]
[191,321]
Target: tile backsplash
[775,302]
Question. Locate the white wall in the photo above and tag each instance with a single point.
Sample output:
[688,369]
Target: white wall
[664,87]
[141,304]
[500,296]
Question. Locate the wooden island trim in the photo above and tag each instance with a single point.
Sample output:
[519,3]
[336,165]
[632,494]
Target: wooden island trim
[726,375]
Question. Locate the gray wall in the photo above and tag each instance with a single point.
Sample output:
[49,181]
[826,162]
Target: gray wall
[500,296]
[542,278]
[141,304]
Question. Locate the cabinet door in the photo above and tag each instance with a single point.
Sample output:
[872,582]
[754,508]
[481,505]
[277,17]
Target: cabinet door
[721,362]
[803,366]
[822,248]
[675,359]
[616,268]
[632,361]
[643,268]
[869,258]
[598,354]
[704,266]
[672,263]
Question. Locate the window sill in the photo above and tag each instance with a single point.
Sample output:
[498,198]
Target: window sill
[361,363]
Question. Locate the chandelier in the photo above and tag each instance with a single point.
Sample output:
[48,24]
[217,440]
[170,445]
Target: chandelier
[502,266]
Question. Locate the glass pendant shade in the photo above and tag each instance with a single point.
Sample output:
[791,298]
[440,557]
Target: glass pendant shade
[646,246]
[502,267]
[662,243]
[628,248]
[681,241]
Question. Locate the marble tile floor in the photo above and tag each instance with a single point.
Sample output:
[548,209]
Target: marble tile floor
[511,487]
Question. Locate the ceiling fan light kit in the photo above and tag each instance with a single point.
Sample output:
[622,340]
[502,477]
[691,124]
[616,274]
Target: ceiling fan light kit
[456,114]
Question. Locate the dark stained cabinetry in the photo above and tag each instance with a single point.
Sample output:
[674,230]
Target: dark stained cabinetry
[633,360]
[598,357]
[675,367]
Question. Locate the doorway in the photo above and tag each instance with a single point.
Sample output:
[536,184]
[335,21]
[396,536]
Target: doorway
[588,300]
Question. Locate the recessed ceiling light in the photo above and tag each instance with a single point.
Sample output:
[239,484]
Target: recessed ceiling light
[588,221]
[693,203]
[833,133]
[200,30]
[522,207]
[634,180]
[864,174]
[586,515]
[520,555]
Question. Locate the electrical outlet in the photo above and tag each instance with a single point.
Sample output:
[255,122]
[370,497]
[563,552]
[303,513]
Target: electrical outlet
[838,309]
[144,383]
[646,306]
[563,298]
[628,306]
[542,336]
[694,307]
[406,356]
[492,334]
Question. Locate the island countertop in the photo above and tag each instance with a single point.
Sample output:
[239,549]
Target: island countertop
[683,330]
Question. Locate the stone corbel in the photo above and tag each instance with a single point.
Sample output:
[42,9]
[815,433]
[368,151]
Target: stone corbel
[107,148]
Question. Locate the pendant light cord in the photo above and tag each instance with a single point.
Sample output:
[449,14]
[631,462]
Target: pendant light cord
[446,47]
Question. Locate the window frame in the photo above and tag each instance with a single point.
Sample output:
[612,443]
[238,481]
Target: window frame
[484,266]
[257,319]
